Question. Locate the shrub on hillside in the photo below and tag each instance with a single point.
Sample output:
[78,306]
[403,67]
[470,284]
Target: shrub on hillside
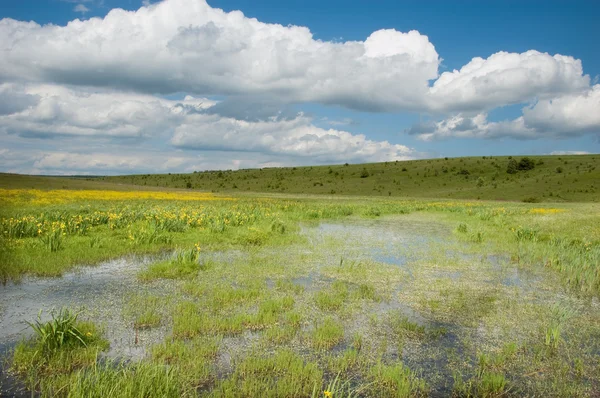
[526,164]
[512,167]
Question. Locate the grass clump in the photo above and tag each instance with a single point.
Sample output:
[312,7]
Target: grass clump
[488,384]
[182,264]
[284,374]
[402,326]
[332,299]
[59,346]
[192,358]
[60,331]
[327,334]
[146,310]
[396,381]
[142,379]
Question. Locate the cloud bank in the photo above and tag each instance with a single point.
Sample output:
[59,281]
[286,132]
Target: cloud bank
[566,116]
[102,82]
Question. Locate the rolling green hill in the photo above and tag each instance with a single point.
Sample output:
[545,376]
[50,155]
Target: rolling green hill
[552,179]
[574,178]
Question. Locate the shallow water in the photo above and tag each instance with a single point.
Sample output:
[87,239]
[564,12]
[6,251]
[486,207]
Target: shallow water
[99,292]
[419,248]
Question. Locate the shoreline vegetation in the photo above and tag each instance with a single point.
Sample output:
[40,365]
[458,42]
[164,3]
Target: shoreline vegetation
[365,296]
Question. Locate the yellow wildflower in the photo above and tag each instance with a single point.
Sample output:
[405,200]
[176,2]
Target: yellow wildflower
[327,394]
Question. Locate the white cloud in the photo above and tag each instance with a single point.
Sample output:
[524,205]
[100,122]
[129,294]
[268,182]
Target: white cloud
[97,162]
[81,8]
[186,45]
[569,153]
[62,111]
[565,116]
[568,114]
[507,78]
[190,124]
[297,137]
[104,78]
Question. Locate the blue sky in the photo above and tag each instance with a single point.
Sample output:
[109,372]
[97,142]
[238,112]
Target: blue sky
[100,96]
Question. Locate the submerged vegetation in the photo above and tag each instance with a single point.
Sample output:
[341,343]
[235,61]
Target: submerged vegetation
[300,296]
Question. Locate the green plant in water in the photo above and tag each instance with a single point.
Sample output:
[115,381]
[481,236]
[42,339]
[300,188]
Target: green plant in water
[59,331]
[327,334]
[559,315]
[336,388]
[552,339]
[187,256]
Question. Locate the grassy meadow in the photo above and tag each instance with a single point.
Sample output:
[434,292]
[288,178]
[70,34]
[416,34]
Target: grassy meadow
[382,294]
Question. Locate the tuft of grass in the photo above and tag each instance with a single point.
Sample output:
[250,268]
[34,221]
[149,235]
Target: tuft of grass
[327,334]
[182,264]
[283,374]
[60,331]
[396,381]
[119,380]
[58,348]
[402,326]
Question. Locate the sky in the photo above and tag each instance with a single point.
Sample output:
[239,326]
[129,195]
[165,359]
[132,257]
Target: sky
[106,87]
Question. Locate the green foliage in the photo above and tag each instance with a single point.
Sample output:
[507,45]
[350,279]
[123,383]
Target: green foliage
[183,263]
[327,334]
[526,164]
[53,240]
[283,374]
[396,381]
[58,348]
[122,381]
[512,167]
[59,331]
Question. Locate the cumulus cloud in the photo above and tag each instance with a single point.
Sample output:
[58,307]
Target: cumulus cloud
[191,124]
[107,79]
[186,45]
[13,100]
[565,116]
[183,45]
[507,78]
[56,110]
[81,8]
[296,137]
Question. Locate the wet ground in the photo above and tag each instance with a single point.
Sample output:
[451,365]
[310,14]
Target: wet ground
[423,250]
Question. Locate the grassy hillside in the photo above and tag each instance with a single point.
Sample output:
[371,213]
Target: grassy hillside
[553,178]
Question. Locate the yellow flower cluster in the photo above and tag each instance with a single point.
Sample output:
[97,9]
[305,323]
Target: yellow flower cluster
[40,197]
[546,211]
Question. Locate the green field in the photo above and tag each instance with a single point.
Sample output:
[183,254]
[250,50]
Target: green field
[234,294]
[553,179]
